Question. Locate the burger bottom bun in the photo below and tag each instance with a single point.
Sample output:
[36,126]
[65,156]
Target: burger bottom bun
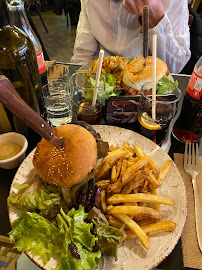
[136,74]
[69,165]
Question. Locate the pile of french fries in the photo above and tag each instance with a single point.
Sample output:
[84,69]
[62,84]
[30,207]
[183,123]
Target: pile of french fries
[111,64]
[130,181]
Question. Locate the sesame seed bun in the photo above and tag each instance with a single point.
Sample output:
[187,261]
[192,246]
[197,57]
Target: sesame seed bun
[69,165]
[136,74]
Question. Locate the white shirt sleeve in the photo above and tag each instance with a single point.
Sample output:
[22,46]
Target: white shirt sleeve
[86,44]
[173,37]
[106,24]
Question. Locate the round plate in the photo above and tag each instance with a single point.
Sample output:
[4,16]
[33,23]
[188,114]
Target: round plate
[131,253]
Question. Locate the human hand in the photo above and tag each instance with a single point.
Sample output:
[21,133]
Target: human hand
[156,10]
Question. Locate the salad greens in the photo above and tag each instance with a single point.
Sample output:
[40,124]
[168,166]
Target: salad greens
[33,232]
[110,84]
[74,229]
[109,237]
[78,237]
[35,195]
[166,85]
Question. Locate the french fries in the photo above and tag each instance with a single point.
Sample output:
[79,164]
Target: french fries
[111,64]
[103,201]
[130,181]
[134,227]
[152,229]
[139,197]
[164,171]
[134,211]
[129,172]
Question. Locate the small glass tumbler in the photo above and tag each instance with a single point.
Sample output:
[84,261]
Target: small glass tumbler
[58,72]
[58,103]
[155,125]
[82,86]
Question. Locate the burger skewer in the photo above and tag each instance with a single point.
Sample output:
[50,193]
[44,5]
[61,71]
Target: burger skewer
[145,31]
[11,99]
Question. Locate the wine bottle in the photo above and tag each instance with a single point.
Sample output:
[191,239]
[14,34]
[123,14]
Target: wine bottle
[19,18]
[19,64]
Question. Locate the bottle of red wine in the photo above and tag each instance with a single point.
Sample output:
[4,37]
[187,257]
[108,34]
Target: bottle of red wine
[19,18]
[19,64]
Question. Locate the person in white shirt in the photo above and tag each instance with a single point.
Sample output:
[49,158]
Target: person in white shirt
[115,26]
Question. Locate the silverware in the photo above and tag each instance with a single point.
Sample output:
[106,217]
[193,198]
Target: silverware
[145,30]
[192,168]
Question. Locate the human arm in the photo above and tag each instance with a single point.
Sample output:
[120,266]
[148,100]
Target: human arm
[173,37]
[156,9]
[85,44]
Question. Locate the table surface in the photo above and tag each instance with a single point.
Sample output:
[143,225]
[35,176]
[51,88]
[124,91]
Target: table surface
[170,145]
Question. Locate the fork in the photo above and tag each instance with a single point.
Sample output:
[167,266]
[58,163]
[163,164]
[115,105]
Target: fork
[192,168]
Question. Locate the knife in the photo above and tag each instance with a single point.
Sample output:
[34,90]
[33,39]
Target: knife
[145,30]
[12,100]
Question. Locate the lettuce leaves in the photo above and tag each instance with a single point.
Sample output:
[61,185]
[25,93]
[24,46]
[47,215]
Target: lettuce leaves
[34,195]
[108,236]
[110,84]
[33,232]
[78,232]
[166,85]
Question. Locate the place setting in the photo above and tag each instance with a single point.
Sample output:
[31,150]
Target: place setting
[190,165]
[93,186]
[148,255]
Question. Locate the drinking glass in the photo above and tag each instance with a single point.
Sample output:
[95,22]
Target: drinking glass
[58,72]
[165,105]
[82,86]
[58,103]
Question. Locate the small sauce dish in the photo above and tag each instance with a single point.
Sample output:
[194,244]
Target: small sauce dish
[15,140]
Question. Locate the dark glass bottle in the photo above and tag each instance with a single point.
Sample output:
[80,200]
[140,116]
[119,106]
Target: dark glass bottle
[19,18]
[188,127]
[19,64]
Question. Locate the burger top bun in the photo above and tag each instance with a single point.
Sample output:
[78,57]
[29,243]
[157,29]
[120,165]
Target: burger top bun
[69,165]
[136,74]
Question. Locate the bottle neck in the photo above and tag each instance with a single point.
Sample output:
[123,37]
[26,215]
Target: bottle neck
[17,14]
[4,17]
[19,18]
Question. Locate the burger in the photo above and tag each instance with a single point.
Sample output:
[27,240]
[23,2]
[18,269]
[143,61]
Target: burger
[136,74]
[70,164]
[62,176]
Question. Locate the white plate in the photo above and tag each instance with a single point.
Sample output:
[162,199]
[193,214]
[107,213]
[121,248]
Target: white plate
[131,254]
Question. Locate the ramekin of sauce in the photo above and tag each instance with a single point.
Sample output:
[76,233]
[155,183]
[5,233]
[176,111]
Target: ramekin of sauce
[12,149]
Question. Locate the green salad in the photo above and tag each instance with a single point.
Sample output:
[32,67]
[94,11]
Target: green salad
[110,84]
[49,226]
[166,85]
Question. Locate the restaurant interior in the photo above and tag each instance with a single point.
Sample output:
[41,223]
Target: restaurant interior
[57,32]
[55,25]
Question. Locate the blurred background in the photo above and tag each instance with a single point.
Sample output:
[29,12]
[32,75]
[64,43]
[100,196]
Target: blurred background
[55,22]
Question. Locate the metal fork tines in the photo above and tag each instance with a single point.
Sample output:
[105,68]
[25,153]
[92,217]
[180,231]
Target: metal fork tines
[192,168]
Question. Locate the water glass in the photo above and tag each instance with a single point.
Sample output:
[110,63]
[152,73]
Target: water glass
[82,86]
[58,72]
[58,103]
